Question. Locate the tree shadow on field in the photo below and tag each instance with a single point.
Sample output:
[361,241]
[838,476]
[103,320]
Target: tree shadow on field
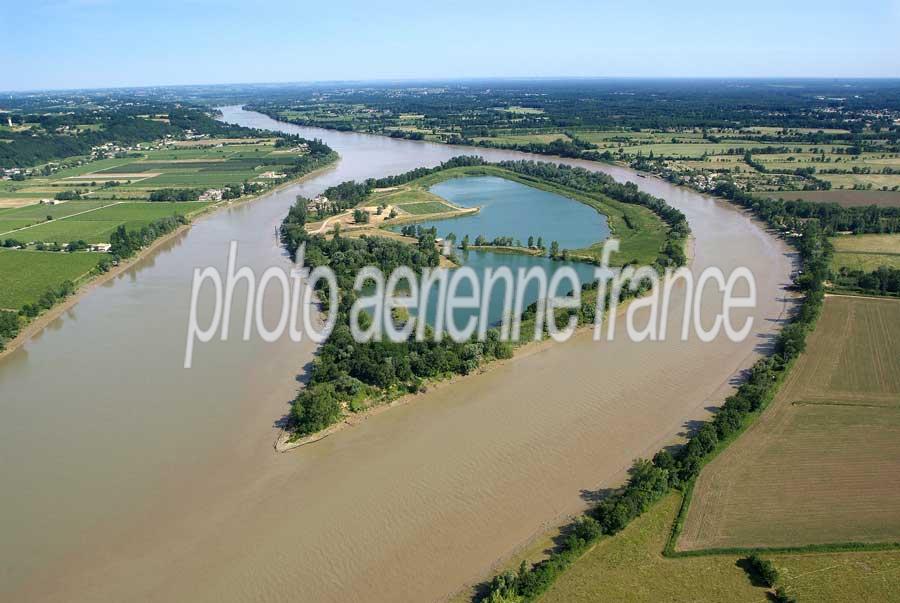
[739,378]
[752,575]
[766,343]
[691,427]
[595,496]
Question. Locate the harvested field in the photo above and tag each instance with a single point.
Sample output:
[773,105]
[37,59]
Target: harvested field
[846,198]
[822,465]
[18,202]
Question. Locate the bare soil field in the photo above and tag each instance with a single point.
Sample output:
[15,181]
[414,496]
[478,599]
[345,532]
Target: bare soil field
[13,203]
[847,198]
[822,465]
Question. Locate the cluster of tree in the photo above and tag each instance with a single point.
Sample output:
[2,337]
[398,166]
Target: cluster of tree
[9,326]
[762,569]
[650,480]
[8,243]
[500,241]
[479,109]
[833,218]
[125,120]
[361,216]
[27,148]
[560,147]
[407,135]
[48,299]
[125,243]
[79,245]
[884,280]
[68,195]
[417,231]
[756,165]
[347,194]
[175,194]
[345,369]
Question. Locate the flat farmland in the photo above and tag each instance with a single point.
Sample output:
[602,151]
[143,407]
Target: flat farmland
[847,198]
[94,221]
[201,166]
[866,252]
[850,180]
[26,275]
[630,567]
[523,139]
[822,465]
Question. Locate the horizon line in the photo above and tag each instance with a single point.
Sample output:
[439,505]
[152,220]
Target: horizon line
[445,80]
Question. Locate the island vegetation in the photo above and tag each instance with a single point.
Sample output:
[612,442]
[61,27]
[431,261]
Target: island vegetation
[349,376]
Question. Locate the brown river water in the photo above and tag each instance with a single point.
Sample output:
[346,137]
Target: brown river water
[128,478]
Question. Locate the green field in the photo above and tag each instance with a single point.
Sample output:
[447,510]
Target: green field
[432,207]
[26,275]
[203,166]
[95,225]
[866,252]
[523,139]
[630,567]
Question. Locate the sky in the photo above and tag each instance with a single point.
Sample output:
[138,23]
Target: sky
[58,44]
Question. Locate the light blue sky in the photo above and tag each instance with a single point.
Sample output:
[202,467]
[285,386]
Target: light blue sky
[94,43]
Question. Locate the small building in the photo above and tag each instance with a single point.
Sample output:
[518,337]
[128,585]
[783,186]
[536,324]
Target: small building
[213,194]
[100,247]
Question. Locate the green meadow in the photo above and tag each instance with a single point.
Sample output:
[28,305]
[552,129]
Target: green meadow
[26,275]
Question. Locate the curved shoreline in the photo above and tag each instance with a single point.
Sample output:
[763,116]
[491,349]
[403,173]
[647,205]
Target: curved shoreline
[39,323]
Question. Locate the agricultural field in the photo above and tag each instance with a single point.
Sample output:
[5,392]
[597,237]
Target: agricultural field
[203,165]
[846,198]
[90,221]
[866,252]
[630,567]
[523,139]
[822,464]
[26,275]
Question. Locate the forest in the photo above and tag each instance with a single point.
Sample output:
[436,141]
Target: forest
[473,107]
[56,135]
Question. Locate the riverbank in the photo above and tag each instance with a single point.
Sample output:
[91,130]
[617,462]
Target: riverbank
[39,323]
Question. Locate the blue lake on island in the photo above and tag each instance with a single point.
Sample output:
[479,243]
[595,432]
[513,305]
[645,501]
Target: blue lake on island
[511,209]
